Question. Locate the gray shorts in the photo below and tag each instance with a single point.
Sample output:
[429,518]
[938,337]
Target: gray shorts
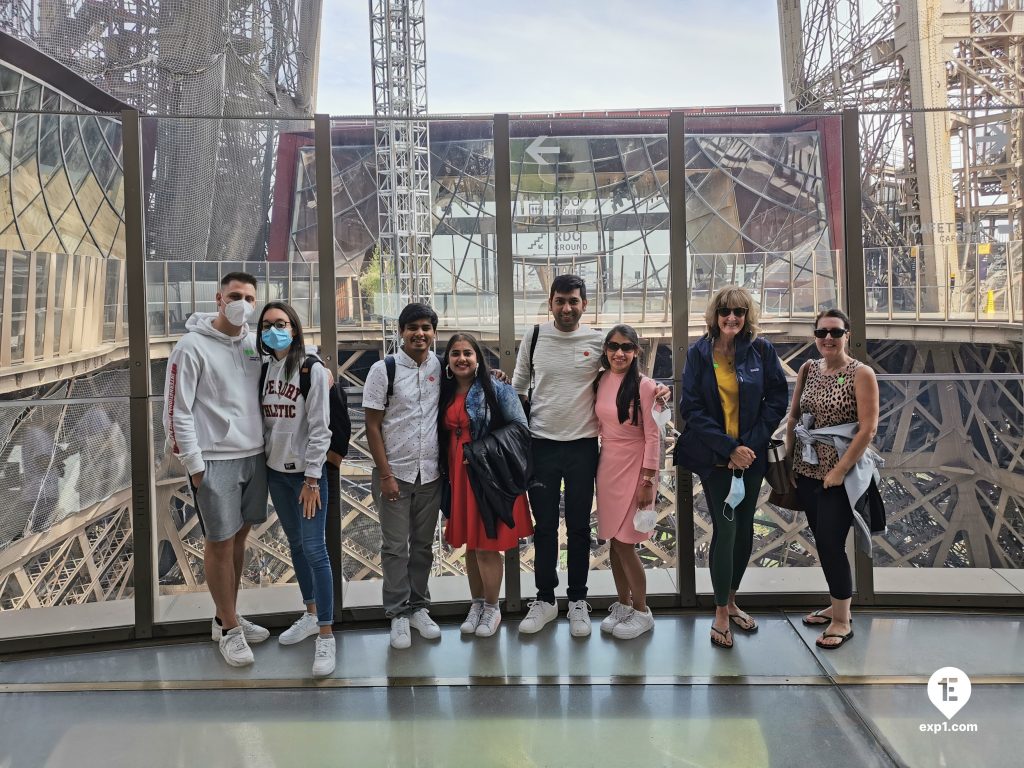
[233,493]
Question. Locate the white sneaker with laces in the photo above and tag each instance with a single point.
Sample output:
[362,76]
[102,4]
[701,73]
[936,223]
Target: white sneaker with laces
[476,610]
[234,648]
[488,622]
[579,618]
[616,613]
[323,656]
[541,612]
[634,625]
[400,632]
[305,626]
[254,633]
[426,626]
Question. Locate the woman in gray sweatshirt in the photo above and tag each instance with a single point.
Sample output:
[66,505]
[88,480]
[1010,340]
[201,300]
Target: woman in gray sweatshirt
[294,401]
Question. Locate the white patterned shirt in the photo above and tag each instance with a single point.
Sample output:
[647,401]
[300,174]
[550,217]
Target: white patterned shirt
[410,418]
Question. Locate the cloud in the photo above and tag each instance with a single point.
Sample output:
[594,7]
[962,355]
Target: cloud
[489,56]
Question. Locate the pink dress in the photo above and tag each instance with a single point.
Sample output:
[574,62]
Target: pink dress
[625,450]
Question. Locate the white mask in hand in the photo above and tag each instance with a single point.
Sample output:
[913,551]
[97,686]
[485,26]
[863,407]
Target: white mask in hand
[661,417]
[239,312]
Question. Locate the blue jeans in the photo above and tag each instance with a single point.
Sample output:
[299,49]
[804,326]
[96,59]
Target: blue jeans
[306,540]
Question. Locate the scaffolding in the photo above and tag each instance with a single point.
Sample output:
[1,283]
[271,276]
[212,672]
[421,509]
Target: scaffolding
[942,149]
[398,51]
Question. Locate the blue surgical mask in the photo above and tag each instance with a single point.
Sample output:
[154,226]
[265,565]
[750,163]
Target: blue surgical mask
[277,338]
[736,493]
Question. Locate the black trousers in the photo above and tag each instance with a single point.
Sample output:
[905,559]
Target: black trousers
[830,517]
[575,463]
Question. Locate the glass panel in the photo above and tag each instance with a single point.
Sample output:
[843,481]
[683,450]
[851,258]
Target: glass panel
[211,210]
[590,197]
[65,526]
[764,211]
[954,482]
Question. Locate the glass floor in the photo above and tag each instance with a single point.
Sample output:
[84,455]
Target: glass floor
[668,698]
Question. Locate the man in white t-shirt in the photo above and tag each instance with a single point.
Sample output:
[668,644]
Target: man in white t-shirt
[401,430]
[566,360]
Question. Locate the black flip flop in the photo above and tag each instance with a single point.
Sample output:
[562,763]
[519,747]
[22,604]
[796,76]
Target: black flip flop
[818,614]
[716,641]
[828,647]
[736,618]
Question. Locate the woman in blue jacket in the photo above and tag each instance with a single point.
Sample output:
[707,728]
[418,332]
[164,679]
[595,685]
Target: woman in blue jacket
[734,397]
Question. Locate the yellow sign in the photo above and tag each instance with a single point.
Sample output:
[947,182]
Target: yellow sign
[984,249]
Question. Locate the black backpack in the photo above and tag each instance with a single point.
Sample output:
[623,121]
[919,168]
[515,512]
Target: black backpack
[340,424]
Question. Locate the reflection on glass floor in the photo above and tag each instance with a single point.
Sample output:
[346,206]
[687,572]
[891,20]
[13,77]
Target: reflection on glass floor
[668,698]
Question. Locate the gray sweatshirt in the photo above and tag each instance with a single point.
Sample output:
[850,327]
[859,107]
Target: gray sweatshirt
[296,429]
[211,407]
[565,366]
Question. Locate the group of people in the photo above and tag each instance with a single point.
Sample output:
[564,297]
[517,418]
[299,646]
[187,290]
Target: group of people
[247,412]
[734,397]
[423,418]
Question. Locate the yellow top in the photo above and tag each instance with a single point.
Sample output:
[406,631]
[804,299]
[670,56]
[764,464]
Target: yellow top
[728,393]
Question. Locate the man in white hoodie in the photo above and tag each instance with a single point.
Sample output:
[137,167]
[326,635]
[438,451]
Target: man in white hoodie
[212,421]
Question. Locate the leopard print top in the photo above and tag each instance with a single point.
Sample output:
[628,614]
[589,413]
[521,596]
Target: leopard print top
[830,398]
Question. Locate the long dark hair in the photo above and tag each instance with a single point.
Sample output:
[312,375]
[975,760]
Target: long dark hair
[629,390]
[450,386]
[297,351]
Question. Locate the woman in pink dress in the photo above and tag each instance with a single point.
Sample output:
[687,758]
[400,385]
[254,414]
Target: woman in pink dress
[627,474]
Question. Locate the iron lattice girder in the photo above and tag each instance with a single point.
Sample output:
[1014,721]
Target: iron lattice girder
[398,48]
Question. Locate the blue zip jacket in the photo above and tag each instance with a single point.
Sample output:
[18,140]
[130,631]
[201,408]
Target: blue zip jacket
[764,397]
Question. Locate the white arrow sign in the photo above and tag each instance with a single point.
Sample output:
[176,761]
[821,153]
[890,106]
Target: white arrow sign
[537,150]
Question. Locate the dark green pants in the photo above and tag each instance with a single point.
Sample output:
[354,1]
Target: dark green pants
[731,540]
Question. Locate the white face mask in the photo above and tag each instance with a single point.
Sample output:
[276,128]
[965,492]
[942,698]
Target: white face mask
[239,312]
[661,417]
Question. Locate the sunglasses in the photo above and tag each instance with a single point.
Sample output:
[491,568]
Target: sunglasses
[726,311]
[627,346]
[835,333]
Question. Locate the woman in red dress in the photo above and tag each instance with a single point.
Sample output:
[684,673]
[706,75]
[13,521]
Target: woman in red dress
[472,404]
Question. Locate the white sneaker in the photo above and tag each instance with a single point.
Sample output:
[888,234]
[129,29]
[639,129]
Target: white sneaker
[400,632]
[634,625]
[541,612]
[234,648]
[305,626]
[616,613]
[254,633]
[488,622]
[476,610]
[579,618]
[323,656]
[426,626]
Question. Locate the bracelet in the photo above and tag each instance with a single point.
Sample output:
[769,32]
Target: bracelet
[385,477]
[312,487]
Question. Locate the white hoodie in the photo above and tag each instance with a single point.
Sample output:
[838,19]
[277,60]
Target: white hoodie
[211,406]
[296,429]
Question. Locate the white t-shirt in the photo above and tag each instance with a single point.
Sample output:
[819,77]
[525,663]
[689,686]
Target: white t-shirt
[565,366]
[410,418]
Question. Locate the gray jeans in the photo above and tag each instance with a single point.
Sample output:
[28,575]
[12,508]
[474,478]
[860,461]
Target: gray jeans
[407,529]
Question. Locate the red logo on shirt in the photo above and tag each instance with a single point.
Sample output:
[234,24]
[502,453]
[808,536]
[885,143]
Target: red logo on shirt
[430,378]
[586,354]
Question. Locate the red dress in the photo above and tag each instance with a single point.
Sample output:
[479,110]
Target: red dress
[464,525]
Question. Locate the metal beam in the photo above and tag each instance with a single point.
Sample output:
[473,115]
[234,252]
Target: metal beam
[686,575]
[328,327]
[140,386]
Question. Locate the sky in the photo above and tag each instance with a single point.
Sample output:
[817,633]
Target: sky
[486,56]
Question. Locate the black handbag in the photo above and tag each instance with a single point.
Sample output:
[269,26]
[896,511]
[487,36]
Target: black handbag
[780,468]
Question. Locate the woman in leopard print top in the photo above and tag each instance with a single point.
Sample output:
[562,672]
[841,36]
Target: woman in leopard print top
[833,390]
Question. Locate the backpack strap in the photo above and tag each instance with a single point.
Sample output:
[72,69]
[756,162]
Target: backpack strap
[533,348]
[306,374]
[389,366]
[263,379]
